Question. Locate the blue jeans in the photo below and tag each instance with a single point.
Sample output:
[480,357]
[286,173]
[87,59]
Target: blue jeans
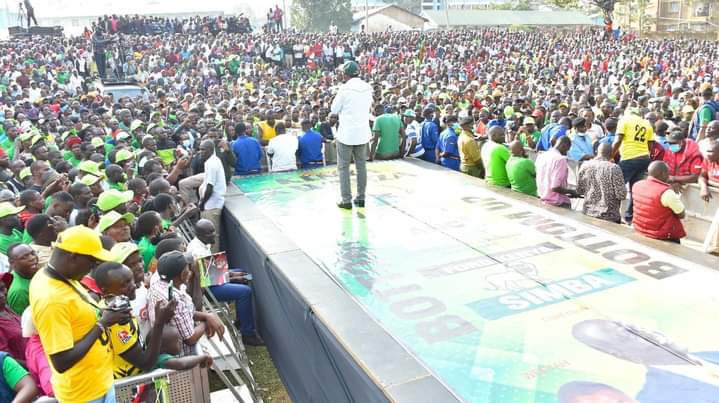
[108,398]
[241,294]
[633,170]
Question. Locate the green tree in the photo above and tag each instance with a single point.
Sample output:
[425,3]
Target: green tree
[317,15]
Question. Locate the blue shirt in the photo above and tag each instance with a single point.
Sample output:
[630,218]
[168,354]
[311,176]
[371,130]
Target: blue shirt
[608,139]
[430,135]
[249,153]
[552,130]
[581,146]
[448,144]
[310,146]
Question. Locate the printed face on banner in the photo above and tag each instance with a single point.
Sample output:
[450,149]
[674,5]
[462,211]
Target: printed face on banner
[502,300]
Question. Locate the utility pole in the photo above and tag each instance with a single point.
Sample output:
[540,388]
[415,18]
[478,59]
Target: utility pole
[366,16]
[284,14]
[446,14]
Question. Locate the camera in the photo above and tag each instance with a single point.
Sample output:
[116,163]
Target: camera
[118,303]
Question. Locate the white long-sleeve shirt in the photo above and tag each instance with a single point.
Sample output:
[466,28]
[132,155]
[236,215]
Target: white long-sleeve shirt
[352,104]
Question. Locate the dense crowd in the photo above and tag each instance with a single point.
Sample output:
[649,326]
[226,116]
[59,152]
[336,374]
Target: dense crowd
[96,188]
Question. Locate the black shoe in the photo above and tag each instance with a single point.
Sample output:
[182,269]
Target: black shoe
[253,341]
[359,203]
[346,206]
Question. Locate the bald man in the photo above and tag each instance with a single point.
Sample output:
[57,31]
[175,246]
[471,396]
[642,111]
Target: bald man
[495,156]
[602,183]
[521,171]
[553,173]
[658,210]
[712,134]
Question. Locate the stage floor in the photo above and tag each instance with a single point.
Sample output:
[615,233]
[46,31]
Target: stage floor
[501,299]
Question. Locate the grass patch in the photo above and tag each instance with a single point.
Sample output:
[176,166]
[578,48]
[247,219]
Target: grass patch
[265,373]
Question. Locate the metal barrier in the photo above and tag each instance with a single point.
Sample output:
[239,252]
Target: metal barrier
[191,385]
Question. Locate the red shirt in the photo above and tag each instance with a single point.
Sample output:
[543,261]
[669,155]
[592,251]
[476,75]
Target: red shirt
[91,285]
[710,170]
[688,161]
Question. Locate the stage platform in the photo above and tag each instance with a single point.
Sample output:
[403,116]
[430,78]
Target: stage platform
[444,289]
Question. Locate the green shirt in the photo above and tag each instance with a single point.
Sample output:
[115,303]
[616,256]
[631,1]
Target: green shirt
[15,237]
[162,360]
[147,251]
[706,115]
[9,146]
[18,296]
[117,186]
[388,126]
[495,156]
[12,372]
[535,136]
[73,161]
[522,175]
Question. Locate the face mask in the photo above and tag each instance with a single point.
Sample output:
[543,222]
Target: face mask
[675,147]
[186,143]
[581,134]
[456,127]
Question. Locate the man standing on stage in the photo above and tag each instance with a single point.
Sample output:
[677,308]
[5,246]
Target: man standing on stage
[99,42]
[30,13]
[352,104]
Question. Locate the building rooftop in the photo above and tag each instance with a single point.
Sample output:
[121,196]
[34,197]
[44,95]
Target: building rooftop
[506,17]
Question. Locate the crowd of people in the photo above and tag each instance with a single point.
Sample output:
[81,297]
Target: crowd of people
[99,283]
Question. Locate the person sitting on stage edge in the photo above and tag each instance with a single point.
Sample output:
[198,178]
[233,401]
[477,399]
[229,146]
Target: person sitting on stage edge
[658,210]
[236,290]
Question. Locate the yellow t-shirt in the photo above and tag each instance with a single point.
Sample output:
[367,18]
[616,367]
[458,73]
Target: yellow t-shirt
[62,317]
[268,132]
[637,133]
[123,338]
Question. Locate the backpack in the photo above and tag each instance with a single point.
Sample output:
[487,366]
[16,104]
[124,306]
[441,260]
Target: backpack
[696,123]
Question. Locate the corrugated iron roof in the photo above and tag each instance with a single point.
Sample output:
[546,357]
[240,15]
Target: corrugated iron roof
[507,17]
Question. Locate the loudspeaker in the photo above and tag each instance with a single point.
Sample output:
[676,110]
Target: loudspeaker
[16,31]
[46,31]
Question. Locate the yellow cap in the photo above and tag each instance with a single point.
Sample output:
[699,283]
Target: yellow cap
[83,241]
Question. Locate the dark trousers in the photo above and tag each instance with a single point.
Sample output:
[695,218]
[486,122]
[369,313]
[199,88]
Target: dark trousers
[31,16]
[633,170]
[100,61]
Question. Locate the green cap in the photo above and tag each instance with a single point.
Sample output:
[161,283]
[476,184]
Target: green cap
[123,155]
[89,180]
[135,124]
[351,68]
[122,250]
[7,208]
[409,113]
[25,136]
[109,219]
[508,112]
[97,142]
[24,173]
[91,167]
[112,198]
[122,136]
